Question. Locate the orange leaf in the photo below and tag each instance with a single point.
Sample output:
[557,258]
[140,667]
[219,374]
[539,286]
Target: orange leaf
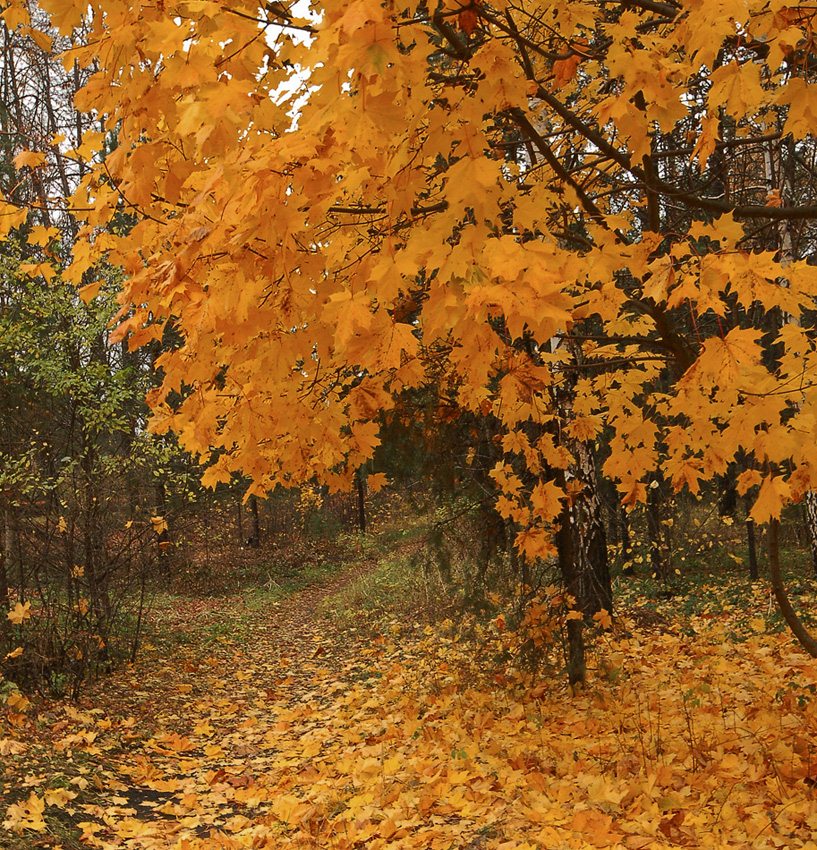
[603,618]
[376,481]
[90,291]
[468,19]
[19,613]
[564,70]
[774,493]
[30,159]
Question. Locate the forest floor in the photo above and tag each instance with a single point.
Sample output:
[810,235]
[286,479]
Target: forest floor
[284,720]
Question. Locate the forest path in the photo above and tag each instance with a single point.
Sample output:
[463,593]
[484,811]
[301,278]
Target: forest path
[277,637]
[257,726]
[186,722]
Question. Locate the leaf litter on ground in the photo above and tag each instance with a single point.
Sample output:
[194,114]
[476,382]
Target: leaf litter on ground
[299,733]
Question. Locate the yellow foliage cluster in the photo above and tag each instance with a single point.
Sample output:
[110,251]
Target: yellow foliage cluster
[326,212]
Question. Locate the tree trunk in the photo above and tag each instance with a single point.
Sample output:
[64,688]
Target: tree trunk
[14,551]
[361,502]
[491,540]
[594,590]
[626,541]
[163,538]
[810,510]
[255,540]
[807,640]
[752,544]
[576,658]
[5,563]
[728,502]
[96,573]
[657,560]
[582,557]
[575,654]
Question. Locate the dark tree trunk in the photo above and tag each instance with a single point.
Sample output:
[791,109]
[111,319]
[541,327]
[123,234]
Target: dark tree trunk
[657,559]
[163,538]
[582,558]
[576,659]
[728,503]
[810,510]
[609,497]
[592,587]
[807,640]
[491,540]
[594,590]
[96,572]
[360,486]
[256,524]
[575,654]
[752,545]
[15,551]
[5,562]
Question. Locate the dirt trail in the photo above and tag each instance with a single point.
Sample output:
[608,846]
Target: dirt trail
[260,652]
[291,628]
[163,749]
[273,728]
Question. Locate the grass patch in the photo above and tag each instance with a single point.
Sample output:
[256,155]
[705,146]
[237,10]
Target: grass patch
[396,587]
[179,620]
[175,620]
[715,586]
[399,534]
[280,584]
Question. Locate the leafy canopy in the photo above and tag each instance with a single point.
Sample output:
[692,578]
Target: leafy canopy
[532,199]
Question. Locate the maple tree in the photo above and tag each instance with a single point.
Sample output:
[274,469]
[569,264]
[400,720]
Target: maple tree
[576,237]
[562,208]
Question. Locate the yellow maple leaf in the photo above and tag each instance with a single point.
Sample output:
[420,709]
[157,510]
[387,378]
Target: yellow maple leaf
[45,270]
[90,291]
[11,216]
[16,14]
[775,491]
[546,500]
[584,428]
[26,815]
[376,481]
[515,441]
[736,87]
[65,16]
[17,701]
[30,159]
[19,613]
[60,797]
[534,543]
[603,618]
[746,480]
[798,96]
[707,140]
